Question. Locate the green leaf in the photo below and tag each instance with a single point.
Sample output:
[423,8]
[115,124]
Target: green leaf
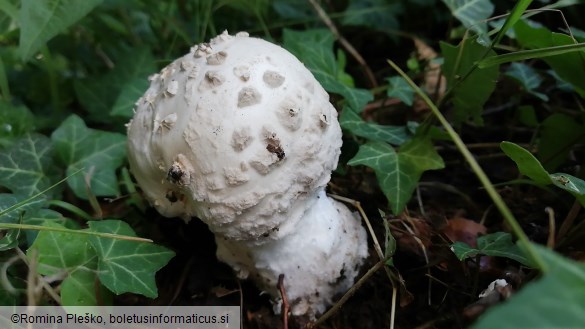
[9,240]
[69,255]
[399,88]
[377,14]
[13,216]
[131,91]
[398,173]
[60,252]
[40,216]
[315,49]
[526,162]
[127,266]
[470,90]
[512,19]
[531,167]
[293,9]
[570,184]
[352,122]
[557,300]
[569,66]
[558,134]
[421,154]
[471,13]
[396,180]
[42,20]
[99,153]
[497,244]
[79,289]
[526,115]
[116,91]
[27,167]
[531,54]
[15,121]
[527,77]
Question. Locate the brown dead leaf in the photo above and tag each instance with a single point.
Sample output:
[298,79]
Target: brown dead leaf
[434,82]
[413,235]
[463,230]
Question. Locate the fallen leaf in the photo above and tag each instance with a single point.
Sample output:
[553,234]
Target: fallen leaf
[461,229]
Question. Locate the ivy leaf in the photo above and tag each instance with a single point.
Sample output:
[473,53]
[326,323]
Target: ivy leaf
[127,266]
[116,91]
[131,91]
[15,121]
[471,13]
[42,20]
[13,216]
[398,173]
[79,289]
[527,77]
[315,49]
[27,167]
[421,154]
[293,9]
[43,215]
[352,122]
[99,153]
[399,88]
[377,14]
[69,255]
[497,244]
[9,240]
[470,94]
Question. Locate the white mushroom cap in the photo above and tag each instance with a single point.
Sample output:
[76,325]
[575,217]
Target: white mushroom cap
[319,261]
[238,133]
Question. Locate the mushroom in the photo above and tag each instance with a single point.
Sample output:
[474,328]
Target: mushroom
[241,135]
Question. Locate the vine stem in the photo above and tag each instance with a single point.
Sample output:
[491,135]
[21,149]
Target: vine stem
[497,199]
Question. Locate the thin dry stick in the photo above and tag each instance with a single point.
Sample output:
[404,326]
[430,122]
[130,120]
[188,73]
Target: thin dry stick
[377,247]
[285,305]
[31,280]
[4,281]
[424,250]
[32,271]
[550,243]
[241,304]
[393,309]
[345,44]
[569,220]
[348,294]
[182,280]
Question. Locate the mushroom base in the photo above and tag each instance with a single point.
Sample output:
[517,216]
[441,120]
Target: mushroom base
[319,260]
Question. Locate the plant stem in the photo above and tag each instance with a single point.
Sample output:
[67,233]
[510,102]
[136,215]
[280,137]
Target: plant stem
[66,230]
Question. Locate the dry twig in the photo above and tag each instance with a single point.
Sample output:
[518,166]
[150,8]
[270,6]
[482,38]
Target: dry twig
[285,305]
[345,44]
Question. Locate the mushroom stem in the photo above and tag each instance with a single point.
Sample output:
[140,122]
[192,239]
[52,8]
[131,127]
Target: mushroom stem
[320,258]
